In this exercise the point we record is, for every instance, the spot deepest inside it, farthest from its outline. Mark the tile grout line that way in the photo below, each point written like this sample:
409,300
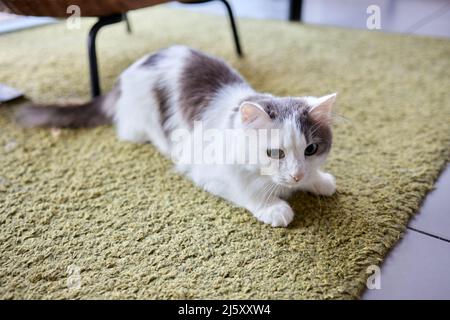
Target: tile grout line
428,19
428,234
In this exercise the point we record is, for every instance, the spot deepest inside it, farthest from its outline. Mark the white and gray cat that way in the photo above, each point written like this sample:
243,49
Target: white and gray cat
173,88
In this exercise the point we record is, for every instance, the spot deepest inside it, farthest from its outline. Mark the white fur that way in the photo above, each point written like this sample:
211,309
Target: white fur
138,120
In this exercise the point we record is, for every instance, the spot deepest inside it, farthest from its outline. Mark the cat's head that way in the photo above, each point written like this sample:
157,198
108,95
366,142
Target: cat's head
305,137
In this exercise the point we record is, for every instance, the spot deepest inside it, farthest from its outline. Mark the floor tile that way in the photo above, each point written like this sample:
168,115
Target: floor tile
258,9
434,215
439,26
11,25
395,16
417,268
424,17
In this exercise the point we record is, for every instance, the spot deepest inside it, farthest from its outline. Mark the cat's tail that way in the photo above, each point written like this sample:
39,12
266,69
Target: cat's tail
98,111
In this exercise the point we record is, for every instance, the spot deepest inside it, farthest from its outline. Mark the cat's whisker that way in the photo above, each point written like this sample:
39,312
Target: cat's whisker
336,117
274,191
268,192
272,188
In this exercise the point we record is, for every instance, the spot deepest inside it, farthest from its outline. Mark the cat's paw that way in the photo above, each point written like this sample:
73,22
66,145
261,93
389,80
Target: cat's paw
325,185
277,215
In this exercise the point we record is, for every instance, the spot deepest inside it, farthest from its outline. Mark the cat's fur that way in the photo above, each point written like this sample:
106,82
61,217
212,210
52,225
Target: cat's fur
174,87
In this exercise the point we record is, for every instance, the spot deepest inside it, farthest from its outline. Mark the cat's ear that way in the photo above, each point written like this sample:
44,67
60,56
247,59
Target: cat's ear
321,109
252,114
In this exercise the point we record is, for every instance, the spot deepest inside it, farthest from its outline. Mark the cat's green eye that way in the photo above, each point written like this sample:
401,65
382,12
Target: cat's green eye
275,153
311,149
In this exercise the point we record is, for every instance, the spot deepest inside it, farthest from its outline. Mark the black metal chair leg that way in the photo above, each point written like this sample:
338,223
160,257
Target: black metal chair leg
127,22
233,27
295,10
93,66
232,22
115,18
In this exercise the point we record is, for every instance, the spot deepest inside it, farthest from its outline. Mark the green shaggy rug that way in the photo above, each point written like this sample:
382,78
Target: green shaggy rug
85,216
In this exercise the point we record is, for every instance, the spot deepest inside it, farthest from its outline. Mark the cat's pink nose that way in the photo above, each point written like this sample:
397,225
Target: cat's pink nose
298,176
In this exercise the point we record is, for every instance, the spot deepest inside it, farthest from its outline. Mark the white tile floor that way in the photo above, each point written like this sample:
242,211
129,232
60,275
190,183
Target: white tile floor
11,22
434,217
417,268
422,17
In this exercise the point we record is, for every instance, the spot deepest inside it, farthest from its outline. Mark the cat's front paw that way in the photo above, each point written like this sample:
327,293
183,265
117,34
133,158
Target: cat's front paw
277,215
325,184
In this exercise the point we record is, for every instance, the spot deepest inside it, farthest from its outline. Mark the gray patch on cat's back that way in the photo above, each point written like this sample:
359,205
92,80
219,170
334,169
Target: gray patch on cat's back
203,76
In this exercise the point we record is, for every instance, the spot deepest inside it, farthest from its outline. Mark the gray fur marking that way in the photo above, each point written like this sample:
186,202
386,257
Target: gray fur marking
201,79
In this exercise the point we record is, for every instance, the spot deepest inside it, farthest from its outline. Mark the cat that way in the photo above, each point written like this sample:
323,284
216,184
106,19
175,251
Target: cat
177,87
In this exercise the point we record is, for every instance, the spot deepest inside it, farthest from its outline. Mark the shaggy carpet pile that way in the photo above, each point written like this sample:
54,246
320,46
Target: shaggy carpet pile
84,216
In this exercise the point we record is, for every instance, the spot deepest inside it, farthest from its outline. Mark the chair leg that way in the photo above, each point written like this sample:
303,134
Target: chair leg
92,54
127,22
233,28
295,10
232,22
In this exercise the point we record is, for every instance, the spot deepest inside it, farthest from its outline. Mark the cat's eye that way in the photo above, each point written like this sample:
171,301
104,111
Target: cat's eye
275,153
311,149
